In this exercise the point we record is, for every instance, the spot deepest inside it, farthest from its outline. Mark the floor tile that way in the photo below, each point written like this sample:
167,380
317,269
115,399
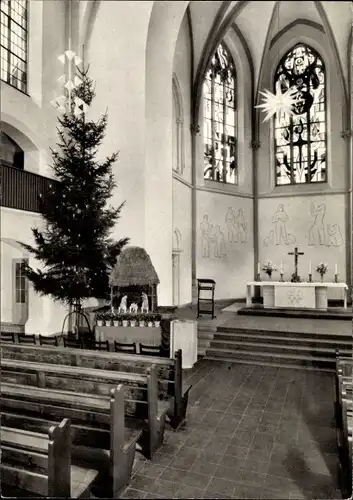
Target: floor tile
166,488
186,491
223,486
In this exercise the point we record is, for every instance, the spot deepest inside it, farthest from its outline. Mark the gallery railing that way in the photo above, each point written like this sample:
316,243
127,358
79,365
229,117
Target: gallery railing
20,189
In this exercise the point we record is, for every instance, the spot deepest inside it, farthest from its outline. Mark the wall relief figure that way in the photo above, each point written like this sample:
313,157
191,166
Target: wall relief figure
219,243
236,226
279,234
317,231
334,235
206,236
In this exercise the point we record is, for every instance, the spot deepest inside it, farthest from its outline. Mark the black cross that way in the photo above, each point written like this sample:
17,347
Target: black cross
296,254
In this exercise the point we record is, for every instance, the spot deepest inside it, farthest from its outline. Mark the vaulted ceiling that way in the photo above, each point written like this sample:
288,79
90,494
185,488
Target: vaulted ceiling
263,21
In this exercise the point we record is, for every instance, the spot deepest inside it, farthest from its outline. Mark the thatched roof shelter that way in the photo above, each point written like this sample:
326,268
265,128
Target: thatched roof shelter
133,268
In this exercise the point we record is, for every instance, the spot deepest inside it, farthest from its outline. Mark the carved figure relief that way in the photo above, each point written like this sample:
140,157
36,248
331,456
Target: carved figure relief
321,233
144,306
219,243
236,226
212,240
123,305
279,234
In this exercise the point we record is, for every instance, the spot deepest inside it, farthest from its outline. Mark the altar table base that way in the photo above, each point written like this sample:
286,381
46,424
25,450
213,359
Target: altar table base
283,294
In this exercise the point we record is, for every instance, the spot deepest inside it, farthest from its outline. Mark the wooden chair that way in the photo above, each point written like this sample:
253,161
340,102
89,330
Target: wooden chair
7,337
124,347
26,339
43,340
100,345
73,342
150,350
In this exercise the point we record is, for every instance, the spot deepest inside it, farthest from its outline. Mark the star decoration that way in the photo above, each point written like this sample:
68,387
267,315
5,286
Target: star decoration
278,103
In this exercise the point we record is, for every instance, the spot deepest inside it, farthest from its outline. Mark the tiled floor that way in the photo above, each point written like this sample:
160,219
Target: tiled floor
251,432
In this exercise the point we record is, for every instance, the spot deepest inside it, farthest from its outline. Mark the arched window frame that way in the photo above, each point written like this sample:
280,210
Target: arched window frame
179,122
210,141
14,43
291,124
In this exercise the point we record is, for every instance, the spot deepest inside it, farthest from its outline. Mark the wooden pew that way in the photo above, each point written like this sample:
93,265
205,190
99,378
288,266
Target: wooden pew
39,462
142,409
98,433
169,371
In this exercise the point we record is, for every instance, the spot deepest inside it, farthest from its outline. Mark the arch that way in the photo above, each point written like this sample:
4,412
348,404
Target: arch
24,138
179,136
214,38
176,240
305,22
86,26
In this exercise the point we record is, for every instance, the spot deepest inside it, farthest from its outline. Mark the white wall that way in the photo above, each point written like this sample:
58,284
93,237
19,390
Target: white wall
227,258
45,316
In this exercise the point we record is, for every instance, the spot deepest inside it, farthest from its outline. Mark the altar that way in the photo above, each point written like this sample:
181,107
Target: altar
288,295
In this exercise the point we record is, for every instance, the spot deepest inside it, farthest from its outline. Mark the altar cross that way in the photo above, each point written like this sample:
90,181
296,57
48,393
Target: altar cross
296,254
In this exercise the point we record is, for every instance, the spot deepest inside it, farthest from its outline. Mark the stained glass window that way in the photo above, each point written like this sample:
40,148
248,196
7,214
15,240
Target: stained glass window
14,43
300,141
220,161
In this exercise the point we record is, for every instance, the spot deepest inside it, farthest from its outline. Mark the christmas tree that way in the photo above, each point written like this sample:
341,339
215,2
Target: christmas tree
75,245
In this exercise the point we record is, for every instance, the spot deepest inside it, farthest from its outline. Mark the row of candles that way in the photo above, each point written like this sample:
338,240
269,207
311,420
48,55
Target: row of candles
281,268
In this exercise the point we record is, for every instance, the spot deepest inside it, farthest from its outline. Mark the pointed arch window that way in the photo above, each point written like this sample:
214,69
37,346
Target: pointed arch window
14,31
300,141
219,96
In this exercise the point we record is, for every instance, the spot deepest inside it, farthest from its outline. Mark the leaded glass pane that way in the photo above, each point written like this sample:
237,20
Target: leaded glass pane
219,119
14,43
300,141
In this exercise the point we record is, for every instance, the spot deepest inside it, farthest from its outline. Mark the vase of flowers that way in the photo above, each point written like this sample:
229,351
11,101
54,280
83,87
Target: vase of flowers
99,319
269,267
322,270
125,320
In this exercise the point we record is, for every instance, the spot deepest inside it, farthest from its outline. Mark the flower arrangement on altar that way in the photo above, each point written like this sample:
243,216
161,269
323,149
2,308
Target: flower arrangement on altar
322,268
268,267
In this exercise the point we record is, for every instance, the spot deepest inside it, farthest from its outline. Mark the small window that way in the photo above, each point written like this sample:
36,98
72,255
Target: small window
20,282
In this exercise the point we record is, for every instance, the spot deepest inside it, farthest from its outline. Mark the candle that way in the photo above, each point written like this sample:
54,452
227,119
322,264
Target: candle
281,269
309,266
336,269
258,268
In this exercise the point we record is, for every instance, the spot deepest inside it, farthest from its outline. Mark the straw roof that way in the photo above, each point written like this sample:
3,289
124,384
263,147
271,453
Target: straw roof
133,268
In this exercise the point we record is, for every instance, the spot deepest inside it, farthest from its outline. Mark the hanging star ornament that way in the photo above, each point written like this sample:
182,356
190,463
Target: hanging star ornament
279,104
63,103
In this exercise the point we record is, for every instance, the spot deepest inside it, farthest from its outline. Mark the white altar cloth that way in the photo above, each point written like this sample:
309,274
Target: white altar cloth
285,294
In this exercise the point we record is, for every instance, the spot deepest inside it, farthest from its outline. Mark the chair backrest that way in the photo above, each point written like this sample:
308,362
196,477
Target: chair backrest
7,336
150,350
124,347
26,339
101,345
52,340
70,342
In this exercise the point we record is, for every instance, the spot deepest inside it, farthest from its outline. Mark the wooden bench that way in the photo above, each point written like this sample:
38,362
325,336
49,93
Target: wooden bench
169,371
98,433
39,462
344,424
142,409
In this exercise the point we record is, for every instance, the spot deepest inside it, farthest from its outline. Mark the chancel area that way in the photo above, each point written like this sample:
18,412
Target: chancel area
176,249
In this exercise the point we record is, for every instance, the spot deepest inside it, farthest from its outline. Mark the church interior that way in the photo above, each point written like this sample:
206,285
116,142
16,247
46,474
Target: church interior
233,123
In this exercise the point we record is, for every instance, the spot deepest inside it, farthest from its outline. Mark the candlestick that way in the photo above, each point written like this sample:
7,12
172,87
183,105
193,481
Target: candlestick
310,277
336,278
281,275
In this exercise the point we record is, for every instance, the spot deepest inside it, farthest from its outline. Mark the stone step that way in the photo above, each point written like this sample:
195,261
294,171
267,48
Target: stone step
267,355
274,362
278,348
278,339
333,335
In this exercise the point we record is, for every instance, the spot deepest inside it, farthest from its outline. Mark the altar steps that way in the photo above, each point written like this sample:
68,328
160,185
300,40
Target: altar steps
270,343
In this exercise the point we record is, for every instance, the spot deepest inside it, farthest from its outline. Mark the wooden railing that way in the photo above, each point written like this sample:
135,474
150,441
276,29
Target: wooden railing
20,189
